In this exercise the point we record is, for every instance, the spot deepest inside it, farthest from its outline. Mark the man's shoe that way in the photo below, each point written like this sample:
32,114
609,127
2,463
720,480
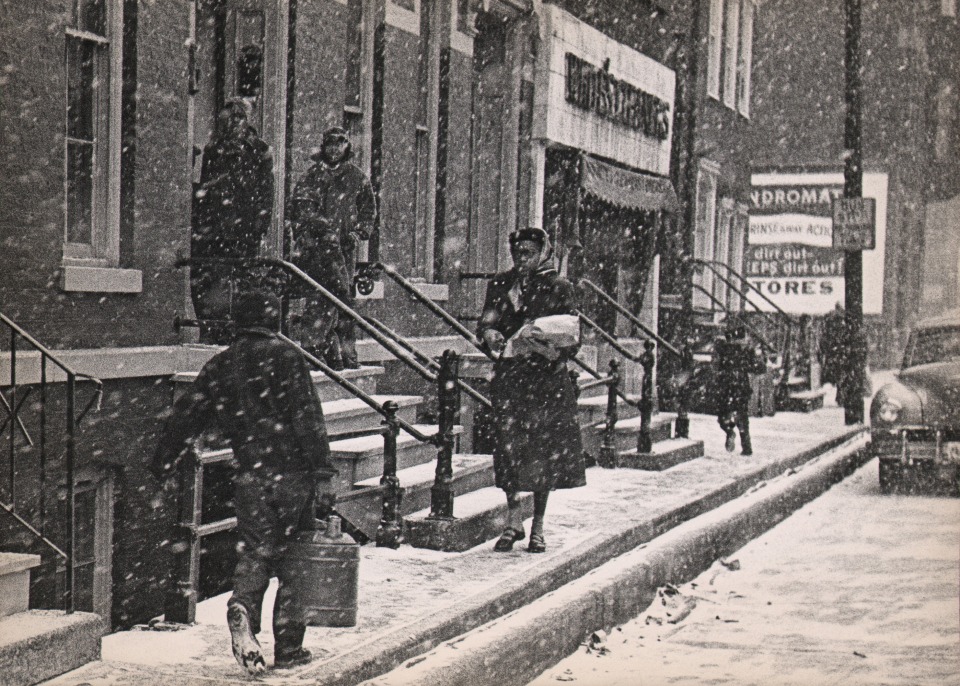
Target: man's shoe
300,656
537,544
731,443
509,536
747,452
246,648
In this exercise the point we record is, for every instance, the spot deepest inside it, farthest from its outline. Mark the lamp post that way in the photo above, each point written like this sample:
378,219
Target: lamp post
853,188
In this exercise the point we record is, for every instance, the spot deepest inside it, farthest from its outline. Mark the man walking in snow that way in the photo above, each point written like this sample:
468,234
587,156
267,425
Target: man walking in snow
260,394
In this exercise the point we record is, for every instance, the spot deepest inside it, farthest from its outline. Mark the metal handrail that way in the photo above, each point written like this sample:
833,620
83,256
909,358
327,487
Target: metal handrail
73,420
763,341
435,309
609,338
713,264
650,333
431,364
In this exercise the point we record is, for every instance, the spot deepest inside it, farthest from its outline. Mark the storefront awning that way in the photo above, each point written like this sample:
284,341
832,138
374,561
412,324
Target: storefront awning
626,188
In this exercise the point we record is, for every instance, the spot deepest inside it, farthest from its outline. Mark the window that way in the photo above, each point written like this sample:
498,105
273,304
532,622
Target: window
714,48
745,59
92,145
704,232
730,53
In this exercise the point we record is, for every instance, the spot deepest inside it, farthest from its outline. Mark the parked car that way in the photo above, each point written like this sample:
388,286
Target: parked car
915,421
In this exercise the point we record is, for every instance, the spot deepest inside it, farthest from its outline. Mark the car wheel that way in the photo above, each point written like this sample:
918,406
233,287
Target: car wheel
891,476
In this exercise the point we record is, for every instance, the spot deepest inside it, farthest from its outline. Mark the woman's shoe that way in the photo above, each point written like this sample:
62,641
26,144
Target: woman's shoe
537,544
509,536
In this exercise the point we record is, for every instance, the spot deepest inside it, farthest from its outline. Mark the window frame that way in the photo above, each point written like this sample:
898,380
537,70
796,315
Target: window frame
731,51
715,48
704,234
745,57
103,248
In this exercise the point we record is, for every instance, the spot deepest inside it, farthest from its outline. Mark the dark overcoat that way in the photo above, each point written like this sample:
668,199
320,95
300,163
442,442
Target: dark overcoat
332,210
260,395
537,436
233,202
736,361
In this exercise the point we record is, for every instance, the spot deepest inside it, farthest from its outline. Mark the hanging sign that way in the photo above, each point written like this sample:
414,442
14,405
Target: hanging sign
854,223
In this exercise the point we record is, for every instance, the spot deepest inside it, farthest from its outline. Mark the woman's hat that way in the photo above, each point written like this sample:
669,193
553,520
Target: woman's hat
532,233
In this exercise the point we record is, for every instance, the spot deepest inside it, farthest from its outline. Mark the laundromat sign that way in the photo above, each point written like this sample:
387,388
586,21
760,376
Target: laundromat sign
790,254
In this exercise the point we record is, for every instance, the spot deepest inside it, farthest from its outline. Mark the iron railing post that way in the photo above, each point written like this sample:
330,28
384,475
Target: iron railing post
608,447
448,396
648,360
682,425
13,417
71,585
391,524
183,592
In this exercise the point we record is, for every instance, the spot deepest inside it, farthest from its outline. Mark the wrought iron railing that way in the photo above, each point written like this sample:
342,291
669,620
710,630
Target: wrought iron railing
13,405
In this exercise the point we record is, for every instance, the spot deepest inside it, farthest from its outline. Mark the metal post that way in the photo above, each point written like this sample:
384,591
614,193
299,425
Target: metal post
648,360
181,601
608,447
13,418
448,397
681,427
853,188
391,524
71,586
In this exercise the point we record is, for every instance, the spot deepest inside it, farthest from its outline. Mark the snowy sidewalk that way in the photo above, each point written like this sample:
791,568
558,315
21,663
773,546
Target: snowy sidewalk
413,599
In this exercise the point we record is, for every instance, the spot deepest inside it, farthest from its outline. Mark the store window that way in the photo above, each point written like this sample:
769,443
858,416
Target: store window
730,53
92,140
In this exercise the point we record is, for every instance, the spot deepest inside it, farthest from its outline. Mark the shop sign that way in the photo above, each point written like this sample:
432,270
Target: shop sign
790,255
854,223
597,90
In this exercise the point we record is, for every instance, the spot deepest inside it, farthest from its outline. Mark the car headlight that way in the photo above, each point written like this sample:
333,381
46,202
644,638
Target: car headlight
889,411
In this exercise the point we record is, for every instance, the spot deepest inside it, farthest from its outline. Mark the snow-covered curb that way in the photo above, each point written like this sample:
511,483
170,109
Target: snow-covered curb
518,646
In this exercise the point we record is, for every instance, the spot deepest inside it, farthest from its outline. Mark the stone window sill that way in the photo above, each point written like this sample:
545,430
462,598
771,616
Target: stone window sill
100,279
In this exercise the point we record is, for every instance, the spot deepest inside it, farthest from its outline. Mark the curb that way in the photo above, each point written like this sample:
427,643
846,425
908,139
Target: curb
516,648
373,658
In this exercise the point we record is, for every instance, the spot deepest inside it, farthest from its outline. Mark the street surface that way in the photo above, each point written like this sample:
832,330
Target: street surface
854,588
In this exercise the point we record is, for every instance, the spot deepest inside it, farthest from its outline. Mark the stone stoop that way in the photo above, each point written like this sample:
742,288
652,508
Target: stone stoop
327,389
627,432
342,416
37,645
362,507
665,454
357,459
803,401
479,517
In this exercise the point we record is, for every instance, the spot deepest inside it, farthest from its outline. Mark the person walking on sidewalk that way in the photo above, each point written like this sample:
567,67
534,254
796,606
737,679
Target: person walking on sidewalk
260,394
332,212
232,206
537,444
736,360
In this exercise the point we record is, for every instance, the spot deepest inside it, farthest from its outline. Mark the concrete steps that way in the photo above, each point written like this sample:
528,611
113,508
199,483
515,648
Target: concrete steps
362,506
357,459
36,645
478,517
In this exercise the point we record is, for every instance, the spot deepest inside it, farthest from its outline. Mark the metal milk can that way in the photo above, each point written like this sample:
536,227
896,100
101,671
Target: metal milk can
323,567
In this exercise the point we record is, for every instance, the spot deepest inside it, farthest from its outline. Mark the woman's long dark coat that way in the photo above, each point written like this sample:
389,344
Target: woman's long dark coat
538,445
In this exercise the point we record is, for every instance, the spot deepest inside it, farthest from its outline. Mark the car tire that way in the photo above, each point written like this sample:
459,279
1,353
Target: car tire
891,476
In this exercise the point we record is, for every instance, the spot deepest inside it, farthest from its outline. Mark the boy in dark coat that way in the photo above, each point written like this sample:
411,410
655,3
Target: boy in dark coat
332,212
231,212
736,360
260,394
538,446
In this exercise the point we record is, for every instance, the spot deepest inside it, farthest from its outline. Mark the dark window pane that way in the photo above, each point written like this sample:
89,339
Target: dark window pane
80,88
91,15
83,575
83,541
79,192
